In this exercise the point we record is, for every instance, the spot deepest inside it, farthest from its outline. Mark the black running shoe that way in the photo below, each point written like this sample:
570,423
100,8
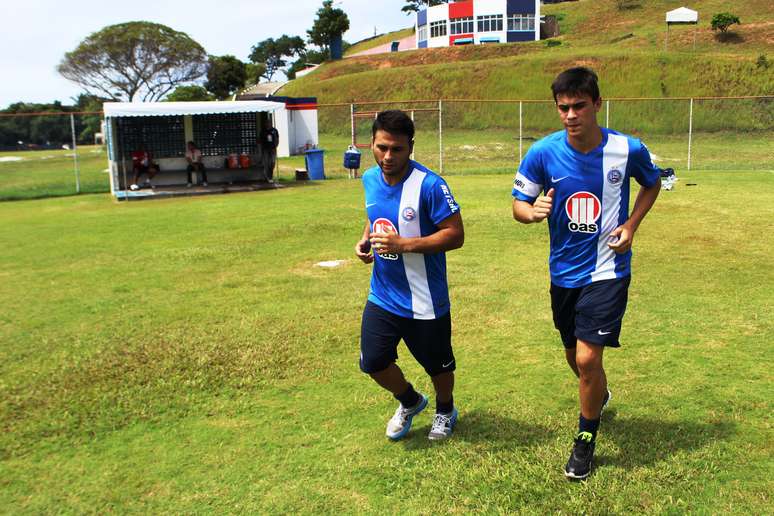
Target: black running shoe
579,465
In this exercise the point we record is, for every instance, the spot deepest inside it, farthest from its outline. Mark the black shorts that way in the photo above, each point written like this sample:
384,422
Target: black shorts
592,313
428,340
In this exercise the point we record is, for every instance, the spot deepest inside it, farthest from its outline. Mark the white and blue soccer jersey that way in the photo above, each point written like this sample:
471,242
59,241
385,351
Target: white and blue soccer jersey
591,199
411,285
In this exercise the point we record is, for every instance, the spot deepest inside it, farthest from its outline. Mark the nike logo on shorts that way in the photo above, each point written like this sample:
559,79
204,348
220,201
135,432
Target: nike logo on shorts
447,365
600,332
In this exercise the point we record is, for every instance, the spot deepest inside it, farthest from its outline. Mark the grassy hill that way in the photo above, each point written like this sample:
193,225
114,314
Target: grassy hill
382,39
625,46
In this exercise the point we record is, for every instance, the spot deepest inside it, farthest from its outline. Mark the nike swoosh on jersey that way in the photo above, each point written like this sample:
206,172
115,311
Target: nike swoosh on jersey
372,204
556,180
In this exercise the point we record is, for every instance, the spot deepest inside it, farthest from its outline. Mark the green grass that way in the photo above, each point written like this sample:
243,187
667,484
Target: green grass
186,356
51,173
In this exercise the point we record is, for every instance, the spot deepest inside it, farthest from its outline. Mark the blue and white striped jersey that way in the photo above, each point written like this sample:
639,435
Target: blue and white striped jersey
591,199
410,285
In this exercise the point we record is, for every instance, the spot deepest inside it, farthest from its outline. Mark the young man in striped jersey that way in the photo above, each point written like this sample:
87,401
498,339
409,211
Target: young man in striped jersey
578,179
412,220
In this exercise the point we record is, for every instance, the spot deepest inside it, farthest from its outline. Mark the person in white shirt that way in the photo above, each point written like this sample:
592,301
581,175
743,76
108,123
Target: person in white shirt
194,157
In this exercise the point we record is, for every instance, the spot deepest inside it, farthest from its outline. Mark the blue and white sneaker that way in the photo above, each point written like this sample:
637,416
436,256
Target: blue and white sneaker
443,425
400,423
608,397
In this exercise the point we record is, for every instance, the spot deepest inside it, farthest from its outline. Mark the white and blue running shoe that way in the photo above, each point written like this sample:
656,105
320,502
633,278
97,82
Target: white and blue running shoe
400,423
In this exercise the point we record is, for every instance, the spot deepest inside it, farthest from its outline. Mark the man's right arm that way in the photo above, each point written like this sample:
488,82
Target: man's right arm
527,213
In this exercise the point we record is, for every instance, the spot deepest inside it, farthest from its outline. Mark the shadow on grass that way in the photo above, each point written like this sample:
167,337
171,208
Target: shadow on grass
644,441
488,428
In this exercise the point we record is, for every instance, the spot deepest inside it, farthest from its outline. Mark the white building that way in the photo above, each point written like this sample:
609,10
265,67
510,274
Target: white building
478,21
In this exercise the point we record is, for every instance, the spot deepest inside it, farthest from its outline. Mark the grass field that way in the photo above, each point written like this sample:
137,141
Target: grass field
187,356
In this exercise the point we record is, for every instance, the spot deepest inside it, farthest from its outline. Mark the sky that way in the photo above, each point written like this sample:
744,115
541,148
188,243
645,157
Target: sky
37,33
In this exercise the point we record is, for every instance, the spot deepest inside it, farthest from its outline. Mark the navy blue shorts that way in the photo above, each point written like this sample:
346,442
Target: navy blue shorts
592,313
428,340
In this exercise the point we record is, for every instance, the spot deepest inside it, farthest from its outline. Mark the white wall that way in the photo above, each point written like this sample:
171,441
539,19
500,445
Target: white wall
438,13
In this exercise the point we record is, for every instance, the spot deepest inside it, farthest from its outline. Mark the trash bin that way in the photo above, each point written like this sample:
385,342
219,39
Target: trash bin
314,163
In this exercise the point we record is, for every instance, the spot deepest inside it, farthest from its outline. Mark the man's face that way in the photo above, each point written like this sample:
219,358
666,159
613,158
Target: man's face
391,152
578,113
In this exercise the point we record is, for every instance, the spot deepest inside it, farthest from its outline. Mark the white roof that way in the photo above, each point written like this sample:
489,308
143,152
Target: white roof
682,15
117,109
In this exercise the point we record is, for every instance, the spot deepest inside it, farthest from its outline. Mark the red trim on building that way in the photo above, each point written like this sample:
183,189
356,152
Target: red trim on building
300,107
454,38
461,10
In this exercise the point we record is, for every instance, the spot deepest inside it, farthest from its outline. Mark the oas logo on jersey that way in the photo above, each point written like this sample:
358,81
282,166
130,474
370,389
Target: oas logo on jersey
382,225
614,176
583,209
408,214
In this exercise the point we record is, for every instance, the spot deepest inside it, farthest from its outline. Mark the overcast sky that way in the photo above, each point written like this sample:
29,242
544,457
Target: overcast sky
36,33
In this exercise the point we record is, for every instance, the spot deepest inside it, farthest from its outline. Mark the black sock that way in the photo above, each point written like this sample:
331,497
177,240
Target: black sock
588,425
409,398
444,407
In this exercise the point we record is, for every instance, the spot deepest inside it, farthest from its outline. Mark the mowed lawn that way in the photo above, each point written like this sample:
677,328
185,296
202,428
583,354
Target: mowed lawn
187,356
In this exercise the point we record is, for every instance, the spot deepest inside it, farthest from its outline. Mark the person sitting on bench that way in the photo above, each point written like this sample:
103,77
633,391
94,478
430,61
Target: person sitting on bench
194,157
142,163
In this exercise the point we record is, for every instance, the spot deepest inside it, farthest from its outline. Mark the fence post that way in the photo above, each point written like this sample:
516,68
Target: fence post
690,133
75,156
607,114
440,136
352,122
520,131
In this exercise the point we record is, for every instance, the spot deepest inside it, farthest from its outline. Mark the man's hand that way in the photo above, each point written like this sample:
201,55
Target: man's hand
363,251
387,243
621,239
541,208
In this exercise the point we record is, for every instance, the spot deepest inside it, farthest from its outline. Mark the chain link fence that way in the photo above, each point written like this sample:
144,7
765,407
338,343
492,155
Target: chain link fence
453,137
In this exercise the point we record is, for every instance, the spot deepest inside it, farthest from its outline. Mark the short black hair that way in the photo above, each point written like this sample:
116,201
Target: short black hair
394,121
574,81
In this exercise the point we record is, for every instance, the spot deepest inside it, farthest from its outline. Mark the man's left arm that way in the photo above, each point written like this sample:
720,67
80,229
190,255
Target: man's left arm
450,235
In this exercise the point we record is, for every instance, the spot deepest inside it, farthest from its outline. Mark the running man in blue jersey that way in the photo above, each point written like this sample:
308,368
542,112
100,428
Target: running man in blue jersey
412,220
578,179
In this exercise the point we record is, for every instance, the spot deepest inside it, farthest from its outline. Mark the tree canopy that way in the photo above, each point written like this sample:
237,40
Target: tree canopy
330,24
189,93
413,6
134,61
275,53
722,21
225,76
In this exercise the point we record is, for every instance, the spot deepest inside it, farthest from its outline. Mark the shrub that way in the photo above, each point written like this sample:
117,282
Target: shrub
722,21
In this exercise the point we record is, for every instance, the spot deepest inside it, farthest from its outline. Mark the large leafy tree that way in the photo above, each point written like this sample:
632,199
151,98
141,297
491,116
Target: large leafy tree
274,54
189,93
330,24
722,21
225,76
134,61
413,6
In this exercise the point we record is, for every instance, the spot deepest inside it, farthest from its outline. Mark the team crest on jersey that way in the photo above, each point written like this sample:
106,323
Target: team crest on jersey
614,176
382,225
583,209
408,214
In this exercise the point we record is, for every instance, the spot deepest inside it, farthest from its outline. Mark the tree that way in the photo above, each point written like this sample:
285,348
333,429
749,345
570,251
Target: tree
330,24
189,93
254,72
225,76
413,6
274,54
134,60
722,21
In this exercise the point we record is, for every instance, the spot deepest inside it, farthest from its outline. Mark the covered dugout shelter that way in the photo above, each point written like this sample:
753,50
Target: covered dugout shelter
219,129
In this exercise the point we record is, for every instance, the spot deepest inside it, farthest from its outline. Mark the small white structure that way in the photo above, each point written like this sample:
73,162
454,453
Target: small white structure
219,129
681,16
296,124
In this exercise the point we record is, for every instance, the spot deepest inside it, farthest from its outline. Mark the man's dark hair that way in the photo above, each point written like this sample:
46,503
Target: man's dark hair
576,81
394,121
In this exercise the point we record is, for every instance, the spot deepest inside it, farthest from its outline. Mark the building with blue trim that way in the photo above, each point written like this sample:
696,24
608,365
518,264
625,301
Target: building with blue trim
478,21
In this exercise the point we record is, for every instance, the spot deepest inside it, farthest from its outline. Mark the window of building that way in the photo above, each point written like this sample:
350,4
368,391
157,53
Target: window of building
437,28
517,22
219,135
422,33
490,23
461,25
162,136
